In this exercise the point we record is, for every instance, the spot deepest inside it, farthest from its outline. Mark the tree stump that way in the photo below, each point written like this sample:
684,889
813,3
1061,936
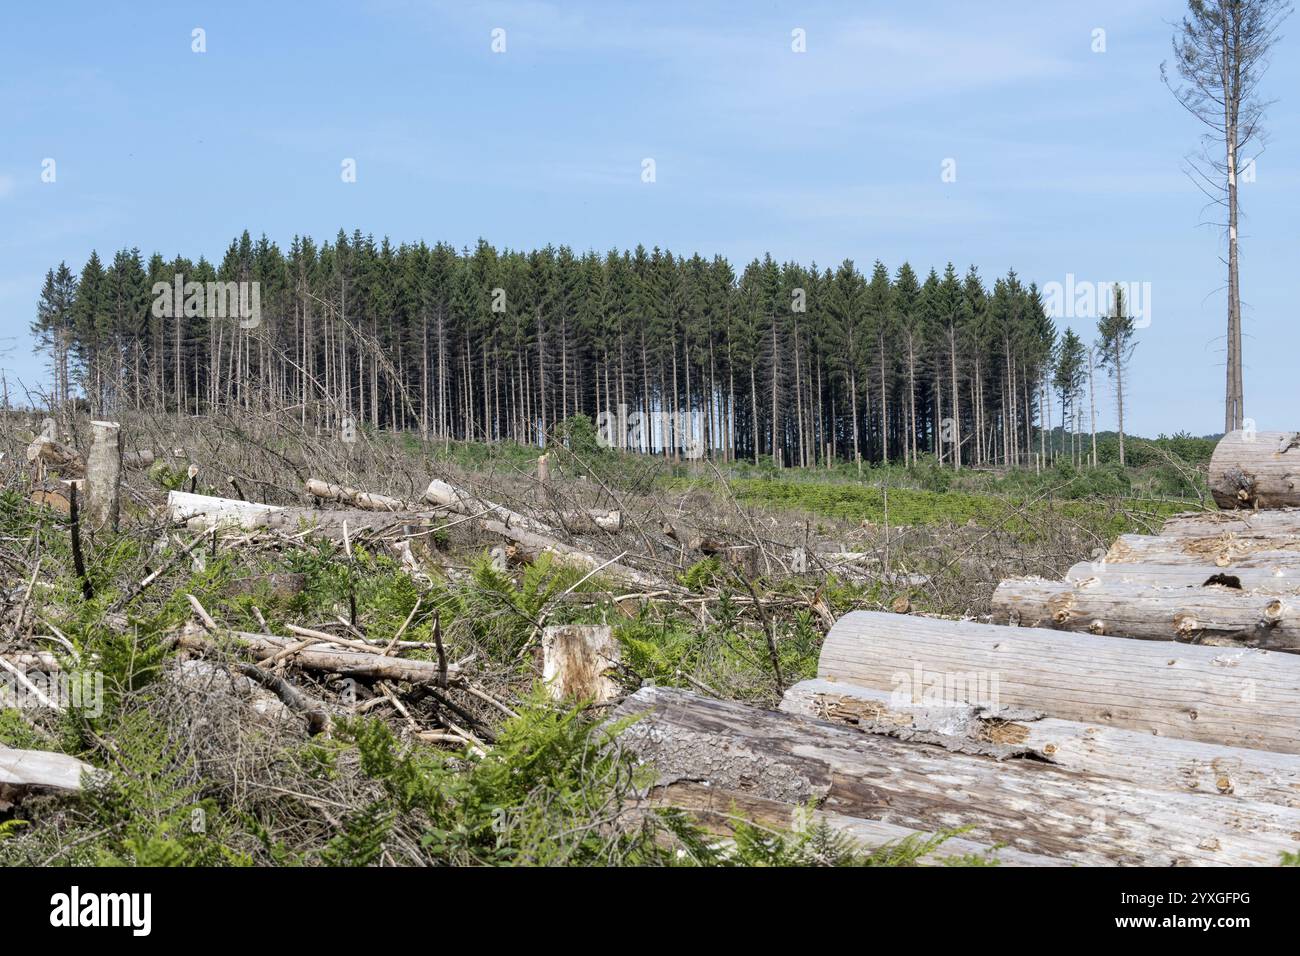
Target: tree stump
104,475
578,660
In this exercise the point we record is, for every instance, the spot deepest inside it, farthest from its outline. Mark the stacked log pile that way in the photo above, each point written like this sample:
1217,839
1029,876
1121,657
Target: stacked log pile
1048,733
1226,578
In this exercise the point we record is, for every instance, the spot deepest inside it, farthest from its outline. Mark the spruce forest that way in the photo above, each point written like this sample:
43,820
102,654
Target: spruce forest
779,361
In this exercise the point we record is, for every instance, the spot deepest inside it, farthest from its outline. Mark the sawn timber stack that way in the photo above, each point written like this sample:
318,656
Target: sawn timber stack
1083,747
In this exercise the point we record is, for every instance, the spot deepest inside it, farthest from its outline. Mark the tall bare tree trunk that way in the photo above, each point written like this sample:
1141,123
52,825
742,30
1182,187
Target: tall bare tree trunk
1092,404
1233,411
956,401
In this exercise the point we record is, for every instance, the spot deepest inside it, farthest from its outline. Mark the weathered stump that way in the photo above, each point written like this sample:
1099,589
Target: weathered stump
104,475
579,661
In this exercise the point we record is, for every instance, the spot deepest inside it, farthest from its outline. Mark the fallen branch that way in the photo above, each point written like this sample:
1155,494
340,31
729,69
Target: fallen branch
367,501
314,711
463,502
371,666
533,546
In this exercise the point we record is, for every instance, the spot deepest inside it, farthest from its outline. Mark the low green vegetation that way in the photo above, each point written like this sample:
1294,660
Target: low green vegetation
205,781
213,786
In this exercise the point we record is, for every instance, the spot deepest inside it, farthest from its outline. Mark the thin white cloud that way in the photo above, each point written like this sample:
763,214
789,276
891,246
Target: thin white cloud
873,205
848,61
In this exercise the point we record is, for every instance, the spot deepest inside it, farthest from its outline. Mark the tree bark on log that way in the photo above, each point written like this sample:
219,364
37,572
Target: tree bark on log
1156,763
1270,580
532,546
203,512
1212,614
1239,697
464,502
1201,524
104,475
720,810
322,657
1256,470
365,500
50,454
1226,551
1029,805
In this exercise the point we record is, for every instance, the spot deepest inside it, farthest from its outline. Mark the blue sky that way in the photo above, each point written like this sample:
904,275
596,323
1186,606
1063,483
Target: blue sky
1067,160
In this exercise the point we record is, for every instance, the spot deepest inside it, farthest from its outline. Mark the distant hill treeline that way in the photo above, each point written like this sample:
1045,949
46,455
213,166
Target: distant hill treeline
783,362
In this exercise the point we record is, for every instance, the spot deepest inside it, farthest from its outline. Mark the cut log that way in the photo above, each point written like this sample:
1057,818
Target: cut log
1256,470
531,546
206,512
578,662
592,520
51,454
463,502
57,494
365,500
104,475
1202,524
1029,805
321,657
203,512
1156,763
1213,614
720,810
1271,580
141,458
1238,697
1225,551
26,770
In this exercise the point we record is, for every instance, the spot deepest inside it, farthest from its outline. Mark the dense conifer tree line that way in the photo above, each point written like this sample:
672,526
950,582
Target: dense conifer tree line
781,362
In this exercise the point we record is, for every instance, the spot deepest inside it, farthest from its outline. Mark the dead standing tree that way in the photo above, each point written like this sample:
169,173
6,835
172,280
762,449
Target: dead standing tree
1221,54
1115,346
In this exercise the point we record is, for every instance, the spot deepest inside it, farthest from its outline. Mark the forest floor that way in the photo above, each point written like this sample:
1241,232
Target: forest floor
197,762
